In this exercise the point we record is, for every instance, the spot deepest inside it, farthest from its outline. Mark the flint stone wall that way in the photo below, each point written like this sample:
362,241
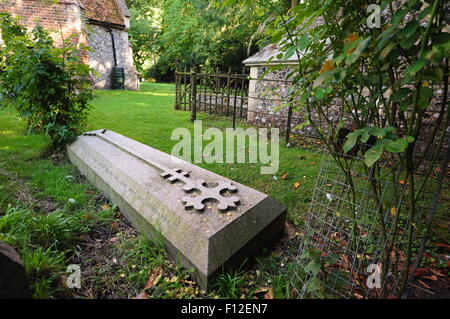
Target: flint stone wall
270,108
102,57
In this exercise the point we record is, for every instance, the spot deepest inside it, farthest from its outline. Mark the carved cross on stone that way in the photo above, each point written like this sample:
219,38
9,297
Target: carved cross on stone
214,193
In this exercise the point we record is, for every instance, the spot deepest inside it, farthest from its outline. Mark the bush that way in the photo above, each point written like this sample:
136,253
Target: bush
163,71
50,87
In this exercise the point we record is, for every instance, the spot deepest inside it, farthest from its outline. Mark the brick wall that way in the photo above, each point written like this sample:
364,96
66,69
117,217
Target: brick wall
62,19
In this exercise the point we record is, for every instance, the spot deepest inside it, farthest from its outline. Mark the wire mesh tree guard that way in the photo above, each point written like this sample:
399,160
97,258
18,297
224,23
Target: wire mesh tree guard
345,247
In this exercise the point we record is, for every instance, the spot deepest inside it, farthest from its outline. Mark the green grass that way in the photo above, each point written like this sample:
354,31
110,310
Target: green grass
45,228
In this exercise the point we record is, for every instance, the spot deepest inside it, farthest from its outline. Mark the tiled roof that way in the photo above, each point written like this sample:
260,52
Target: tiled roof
103,11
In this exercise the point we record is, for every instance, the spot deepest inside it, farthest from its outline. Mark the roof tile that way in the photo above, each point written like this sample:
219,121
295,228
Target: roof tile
103,10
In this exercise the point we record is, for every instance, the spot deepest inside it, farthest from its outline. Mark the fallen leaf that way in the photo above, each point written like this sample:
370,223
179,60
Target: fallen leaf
421,271
154,278
346,261
142,295
438,273
358,296
284,176
269,294
297,185
393,211
105,207
173,279
115,225
261,290
432,277
187,282
424,284
402,182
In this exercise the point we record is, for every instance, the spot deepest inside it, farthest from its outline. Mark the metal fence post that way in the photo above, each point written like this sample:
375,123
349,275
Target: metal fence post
184,97
243,93
288,128
235,99
177,90
194,94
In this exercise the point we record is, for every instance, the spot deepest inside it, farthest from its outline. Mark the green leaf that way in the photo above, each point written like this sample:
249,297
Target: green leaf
441,38
352,58
433,74
409,29
352,138
386,37
290,52
425,12
376,131
385,52
340,58
303,43
397,146
398,16
313,268
409,42
400,94
414,68
373,155
365,135
322,78
425,94
313,285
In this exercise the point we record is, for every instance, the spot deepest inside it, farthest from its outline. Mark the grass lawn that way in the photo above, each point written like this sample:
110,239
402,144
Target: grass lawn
76,224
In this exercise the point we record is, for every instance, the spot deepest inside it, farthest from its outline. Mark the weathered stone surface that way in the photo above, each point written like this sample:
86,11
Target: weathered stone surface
153,202
13,279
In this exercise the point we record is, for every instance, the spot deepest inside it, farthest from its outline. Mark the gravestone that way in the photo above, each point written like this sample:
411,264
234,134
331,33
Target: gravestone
205,220
13,279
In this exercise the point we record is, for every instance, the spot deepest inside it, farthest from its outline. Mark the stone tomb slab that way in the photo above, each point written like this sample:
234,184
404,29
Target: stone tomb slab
205,220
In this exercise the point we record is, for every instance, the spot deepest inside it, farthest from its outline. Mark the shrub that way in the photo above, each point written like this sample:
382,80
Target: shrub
48,86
